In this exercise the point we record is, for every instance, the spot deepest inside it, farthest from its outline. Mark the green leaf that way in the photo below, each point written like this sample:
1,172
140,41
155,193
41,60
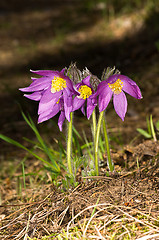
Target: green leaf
144,133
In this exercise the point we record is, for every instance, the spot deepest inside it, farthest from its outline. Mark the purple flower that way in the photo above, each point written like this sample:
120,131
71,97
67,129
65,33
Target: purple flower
48,89
84,93
114,86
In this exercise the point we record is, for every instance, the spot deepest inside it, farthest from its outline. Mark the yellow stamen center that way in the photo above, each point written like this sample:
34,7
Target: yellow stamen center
85,91
58,84
116,87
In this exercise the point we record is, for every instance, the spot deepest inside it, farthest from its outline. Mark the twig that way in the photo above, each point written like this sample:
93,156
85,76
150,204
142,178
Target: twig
137,220
98,177
100,235
27,227
148,237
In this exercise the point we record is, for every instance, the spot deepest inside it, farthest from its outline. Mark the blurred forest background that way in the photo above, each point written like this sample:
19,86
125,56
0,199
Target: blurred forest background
50,34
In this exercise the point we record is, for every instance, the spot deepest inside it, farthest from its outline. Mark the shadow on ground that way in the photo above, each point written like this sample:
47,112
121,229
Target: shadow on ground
26,25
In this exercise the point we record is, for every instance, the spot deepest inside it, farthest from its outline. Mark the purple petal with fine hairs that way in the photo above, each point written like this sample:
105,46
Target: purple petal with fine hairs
36,86
68,103
90,107
130,87
78,85
61,120
100,89
44,116
104,99
53,110
86,81
83,110
47,73
94,100
102,85
36,96
77,103
48,100
94,95
113,78
62,71
120,104
40,80
70,89
67,91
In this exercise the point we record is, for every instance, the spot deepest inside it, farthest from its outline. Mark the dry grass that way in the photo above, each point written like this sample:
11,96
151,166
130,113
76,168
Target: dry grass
124,206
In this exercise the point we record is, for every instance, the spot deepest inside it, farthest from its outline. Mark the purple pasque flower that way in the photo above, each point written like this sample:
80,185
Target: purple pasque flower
85,92
115,86
49,89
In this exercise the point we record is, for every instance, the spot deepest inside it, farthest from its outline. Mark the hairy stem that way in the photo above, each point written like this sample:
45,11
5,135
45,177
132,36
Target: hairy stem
97,142
109,160
94,124
69,144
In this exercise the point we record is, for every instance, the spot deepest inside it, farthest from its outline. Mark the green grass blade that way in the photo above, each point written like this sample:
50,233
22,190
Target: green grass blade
88,146
101,145
37,145
23,173
144,133
32,142
152,129
17,144
30,122
77,147
77,133
148,125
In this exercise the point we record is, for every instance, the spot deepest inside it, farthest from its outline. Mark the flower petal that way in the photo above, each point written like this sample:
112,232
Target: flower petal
61,120
62,71
90,107
36,96
113,78
130,87
120,104
47,73
104,98
77,103
100,89
86,81
69,89
45,116
68,104
83,109
36,86
48,100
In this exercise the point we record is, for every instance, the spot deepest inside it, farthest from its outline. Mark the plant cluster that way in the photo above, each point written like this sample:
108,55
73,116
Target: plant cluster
64,92
69,90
